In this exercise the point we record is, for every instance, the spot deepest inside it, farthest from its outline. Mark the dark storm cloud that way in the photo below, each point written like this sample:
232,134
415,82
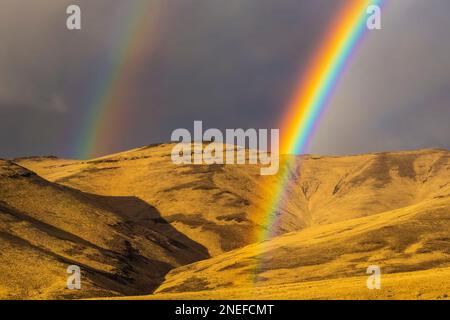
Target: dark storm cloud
38,56
396,94
229,63
43,72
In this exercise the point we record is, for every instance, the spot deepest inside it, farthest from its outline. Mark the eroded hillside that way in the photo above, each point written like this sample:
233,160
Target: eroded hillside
129,218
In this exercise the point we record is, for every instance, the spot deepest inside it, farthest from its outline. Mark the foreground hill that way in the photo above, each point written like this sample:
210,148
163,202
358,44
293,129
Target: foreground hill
122,244
403,240
430,284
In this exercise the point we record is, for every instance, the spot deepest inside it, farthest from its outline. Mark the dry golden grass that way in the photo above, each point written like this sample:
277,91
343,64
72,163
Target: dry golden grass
418,285
222,207
402,240
134,216
119,242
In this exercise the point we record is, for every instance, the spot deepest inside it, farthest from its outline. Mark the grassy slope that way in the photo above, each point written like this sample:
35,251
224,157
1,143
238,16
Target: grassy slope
402,240
45,227
212,204
223,207
426,285
340,214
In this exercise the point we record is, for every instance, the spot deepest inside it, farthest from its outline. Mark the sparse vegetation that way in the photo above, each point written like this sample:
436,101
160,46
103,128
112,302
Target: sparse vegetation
190,231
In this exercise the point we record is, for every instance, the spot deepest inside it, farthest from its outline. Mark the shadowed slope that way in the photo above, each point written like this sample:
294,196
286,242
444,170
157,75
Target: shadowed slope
122,244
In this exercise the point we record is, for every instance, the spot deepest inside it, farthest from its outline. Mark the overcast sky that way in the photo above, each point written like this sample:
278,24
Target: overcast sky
229,63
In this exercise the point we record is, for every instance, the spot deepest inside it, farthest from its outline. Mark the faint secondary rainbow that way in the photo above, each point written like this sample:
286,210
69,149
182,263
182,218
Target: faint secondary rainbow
312,95
111,96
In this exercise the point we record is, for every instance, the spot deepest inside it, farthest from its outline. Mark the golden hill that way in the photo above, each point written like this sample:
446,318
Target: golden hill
430,284
223,206
338,215
122,244
403,240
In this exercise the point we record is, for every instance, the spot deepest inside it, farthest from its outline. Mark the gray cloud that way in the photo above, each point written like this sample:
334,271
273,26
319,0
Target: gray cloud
229,63
396,93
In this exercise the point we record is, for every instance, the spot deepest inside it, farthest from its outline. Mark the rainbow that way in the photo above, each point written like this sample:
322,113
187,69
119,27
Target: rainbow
311,96
111,98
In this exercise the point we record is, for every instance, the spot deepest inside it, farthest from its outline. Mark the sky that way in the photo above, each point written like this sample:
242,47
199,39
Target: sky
231,64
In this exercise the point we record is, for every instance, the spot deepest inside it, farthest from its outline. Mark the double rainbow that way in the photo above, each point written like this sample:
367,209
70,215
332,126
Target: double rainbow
309,100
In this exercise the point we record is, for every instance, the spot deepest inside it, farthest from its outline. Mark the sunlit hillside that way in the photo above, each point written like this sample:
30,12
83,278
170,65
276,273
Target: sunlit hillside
130,218
403,240
223,206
